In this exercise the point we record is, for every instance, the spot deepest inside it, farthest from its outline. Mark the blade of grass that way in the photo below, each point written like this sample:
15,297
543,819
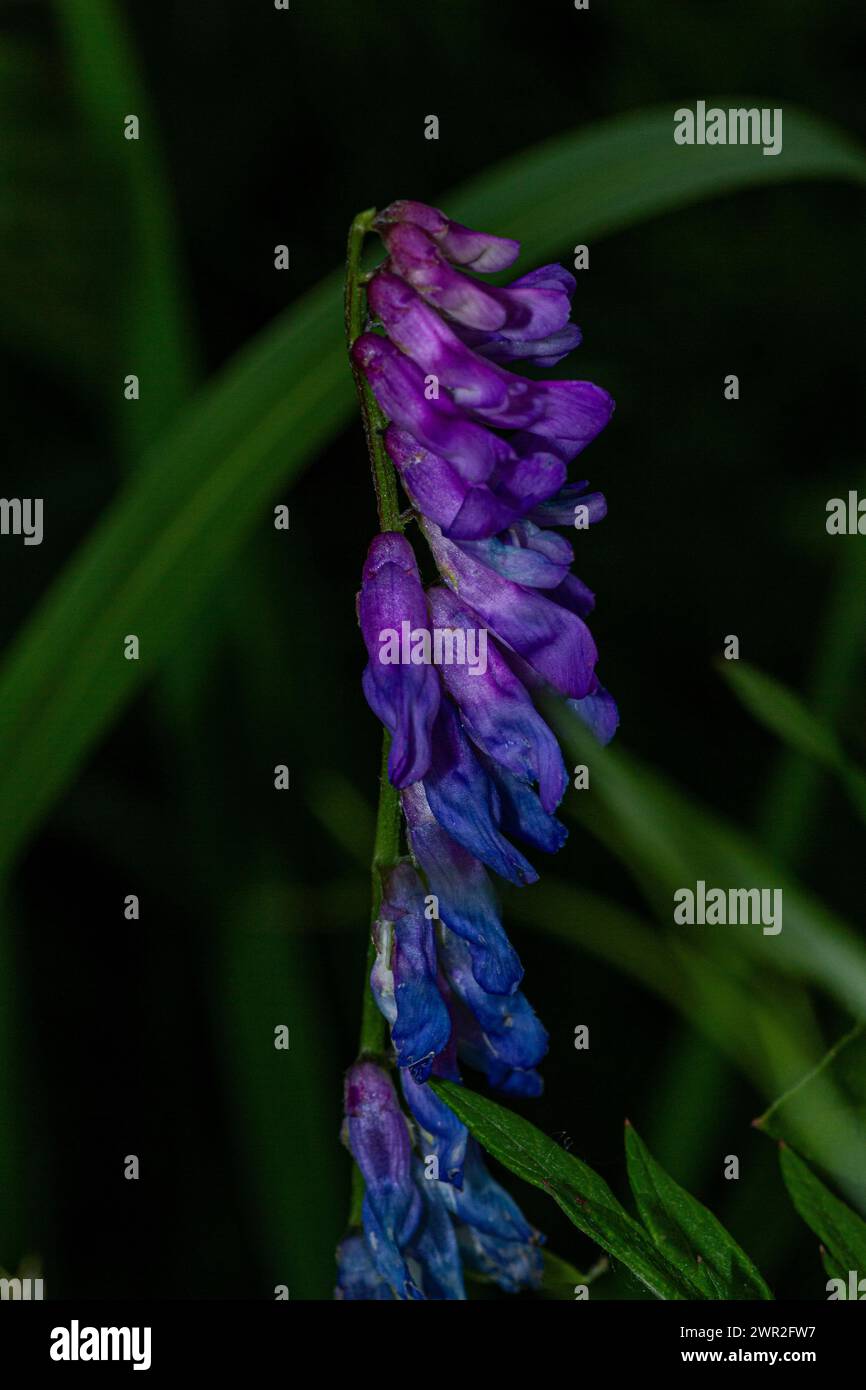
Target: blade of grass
157,339
671,841
787,716
583,1195
285,1120
793,794
824,1114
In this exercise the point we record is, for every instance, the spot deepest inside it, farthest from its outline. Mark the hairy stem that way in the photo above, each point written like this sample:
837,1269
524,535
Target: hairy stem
386,847
384,480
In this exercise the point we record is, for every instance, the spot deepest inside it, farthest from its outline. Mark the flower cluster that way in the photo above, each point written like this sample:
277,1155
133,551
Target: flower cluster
418,1232
482,455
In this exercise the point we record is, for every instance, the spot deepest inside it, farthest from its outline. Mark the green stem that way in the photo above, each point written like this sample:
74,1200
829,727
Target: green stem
384,480
386,852
386,847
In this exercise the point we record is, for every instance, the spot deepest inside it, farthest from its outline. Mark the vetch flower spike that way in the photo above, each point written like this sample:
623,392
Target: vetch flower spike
472,772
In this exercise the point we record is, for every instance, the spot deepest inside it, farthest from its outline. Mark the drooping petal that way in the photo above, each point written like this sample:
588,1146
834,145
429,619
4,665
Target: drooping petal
443,1137
574,595
525,554
438,489
435,1247
479,1052
484,1205
403,392
598,709
357,1275
513,1265
563,508
529,308
414,256
530,473
422,1025
539,303
472,510
497,712
555,642
386,1243
467,902
420,333
508,1022
463,799
570,414
521,812
599,712
404,696
480,251
378,1137
541,352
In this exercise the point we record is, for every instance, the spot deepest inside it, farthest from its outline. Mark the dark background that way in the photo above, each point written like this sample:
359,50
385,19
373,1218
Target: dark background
153,1037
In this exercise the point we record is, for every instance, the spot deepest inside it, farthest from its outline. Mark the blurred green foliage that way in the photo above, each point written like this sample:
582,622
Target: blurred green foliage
155,777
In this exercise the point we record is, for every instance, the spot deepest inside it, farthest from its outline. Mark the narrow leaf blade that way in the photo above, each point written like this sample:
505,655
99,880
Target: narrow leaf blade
686,1233
585,1197
841,1231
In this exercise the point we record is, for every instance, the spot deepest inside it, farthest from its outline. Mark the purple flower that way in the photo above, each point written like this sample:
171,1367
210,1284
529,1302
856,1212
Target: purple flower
402,392
510,1027
464,800
414,1224
570,413
441,1134
455,670
467,902
552,640
493,1234
562,510
598,712
497,711
526,309
420,1025
357,1275
405,697
473,510
479,250
378,1137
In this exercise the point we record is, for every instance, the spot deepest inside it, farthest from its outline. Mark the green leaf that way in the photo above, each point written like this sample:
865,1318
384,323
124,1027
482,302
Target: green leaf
625,169
201,489
668,840
841,1231
787,716
686,1233
792,794
168,538
585,1197
155,330
824,1115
